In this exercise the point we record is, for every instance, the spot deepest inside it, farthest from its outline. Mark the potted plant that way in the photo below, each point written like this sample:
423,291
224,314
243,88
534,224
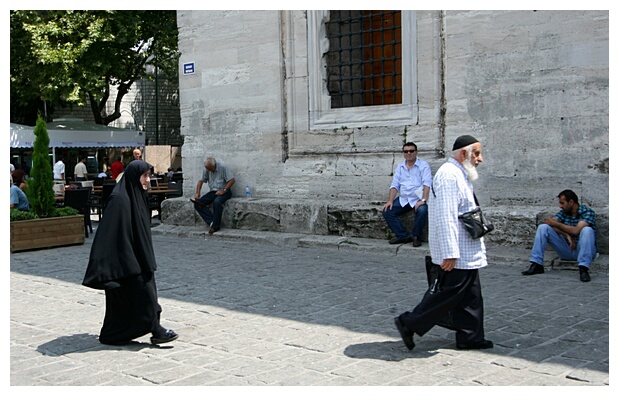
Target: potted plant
44,225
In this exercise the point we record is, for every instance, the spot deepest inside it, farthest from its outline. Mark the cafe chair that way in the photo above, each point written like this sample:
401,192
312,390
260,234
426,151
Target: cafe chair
79,199
178,190
99,201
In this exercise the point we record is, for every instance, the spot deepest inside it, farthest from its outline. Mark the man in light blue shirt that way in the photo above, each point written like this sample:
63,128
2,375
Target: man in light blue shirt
18,198
412,180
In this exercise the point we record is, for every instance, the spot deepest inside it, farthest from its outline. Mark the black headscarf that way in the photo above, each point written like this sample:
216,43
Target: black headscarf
123,245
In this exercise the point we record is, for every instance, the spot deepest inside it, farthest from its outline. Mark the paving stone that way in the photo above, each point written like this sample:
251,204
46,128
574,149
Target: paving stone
258,311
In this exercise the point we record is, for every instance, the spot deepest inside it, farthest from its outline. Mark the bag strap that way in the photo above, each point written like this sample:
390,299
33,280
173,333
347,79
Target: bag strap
474,196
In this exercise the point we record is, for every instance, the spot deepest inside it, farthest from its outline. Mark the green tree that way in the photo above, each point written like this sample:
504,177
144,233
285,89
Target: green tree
40,189
75,57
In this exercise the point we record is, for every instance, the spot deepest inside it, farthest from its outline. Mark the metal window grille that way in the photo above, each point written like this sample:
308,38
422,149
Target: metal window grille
364,61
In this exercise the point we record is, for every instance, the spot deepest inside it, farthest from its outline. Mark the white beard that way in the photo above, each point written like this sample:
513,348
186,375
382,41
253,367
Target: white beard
471,170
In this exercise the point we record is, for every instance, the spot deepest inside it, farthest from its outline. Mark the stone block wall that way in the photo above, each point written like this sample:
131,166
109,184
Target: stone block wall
514,226
532,86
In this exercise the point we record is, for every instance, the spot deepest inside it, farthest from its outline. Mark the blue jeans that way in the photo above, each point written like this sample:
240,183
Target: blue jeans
218,207
393,220
585,248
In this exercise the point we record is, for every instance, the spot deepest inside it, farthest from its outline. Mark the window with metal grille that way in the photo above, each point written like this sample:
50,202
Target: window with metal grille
364,61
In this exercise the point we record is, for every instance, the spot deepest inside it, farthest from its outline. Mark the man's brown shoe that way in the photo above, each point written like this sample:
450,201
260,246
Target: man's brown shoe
197,203
213,230
416,242
395,241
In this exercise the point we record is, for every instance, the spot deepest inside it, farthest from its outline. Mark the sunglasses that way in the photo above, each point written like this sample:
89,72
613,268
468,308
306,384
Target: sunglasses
408,151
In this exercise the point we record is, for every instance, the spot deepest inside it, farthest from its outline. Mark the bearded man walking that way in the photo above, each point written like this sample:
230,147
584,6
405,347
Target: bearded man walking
457,254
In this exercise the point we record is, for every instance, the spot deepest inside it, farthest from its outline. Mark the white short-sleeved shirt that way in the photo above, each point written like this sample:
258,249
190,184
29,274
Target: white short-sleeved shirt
80,170
58,170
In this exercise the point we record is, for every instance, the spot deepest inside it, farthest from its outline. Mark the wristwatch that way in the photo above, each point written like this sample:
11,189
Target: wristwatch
225,190
423,200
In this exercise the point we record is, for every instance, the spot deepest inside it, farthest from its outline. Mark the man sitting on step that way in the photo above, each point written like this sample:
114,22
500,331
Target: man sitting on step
571,233
412,180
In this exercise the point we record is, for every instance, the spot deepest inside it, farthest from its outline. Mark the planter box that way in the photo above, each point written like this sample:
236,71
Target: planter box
45,233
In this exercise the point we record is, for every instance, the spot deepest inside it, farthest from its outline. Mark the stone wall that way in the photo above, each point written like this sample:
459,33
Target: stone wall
532,86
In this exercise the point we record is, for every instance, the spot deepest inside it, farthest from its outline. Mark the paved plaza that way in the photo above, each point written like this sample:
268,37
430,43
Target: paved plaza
259,309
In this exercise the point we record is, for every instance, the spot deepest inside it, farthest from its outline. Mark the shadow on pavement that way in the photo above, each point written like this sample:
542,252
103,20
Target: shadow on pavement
391,351
84,342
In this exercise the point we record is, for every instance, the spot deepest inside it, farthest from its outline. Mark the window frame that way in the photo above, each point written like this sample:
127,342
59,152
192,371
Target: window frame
322,116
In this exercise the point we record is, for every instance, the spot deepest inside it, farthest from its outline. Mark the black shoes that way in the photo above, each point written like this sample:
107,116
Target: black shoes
416,242
168,336
406,335
534,269
396,241
197,203
485,344
584,273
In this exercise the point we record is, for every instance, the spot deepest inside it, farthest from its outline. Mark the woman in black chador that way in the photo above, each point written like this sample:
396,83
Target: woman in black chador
122,263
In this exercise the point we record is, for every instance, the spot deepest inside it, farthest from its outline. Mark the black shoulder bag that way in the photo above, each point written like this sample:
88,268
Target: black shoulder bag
474,221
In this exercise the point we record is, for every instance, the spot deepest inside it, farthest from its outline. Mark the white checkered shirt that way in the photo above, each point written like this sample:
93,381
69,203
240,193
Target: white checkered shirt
447,236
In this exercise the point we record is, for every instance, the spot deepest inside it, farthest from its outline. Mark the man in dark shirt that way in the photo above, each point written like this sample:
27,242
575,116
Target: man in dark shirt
571,233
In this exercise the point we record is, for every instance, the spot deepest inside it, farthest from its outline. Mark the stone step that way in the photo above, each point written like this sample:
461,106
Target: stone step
514,226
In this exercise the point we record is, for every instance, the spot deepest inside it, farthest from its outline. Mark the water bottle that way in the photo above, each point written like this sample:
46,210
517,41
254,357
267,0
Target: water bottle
247,192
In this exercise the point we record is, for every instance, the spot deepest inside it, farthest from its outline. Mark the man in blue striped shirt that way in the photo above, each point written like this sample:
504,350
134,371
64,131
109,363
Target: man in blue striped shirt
571,233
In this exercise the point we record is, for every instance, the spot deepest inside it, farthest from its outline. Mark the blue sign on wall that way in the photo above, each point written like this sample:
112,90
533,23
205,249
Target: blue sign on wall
189,68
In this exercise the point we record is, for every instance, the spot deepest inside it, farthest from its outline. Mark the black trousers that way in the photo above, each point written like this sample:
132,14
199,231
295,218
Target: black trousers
460,296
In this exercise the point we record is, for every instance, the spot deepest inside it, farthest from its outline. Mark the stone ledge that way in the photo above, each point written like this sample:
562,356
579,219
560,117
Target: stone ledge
514,226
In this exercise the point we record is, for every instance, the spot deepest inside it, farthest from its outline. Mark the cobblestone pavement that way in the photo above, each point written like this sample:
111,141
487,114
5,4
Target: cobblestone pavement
255,312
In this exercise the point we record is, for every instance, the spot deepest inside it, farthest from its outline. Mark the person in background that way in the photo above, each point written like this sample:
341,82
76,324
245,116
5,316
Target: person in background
122,262
18,199
117,167
137,154
59,169
571,233
80,171
19,179
457,255
106,167
412,180
219,179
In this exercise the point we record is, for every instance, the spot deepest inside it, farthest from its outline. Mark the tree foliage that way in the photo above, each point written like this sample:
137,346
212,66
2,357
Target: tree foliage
75,57
40,189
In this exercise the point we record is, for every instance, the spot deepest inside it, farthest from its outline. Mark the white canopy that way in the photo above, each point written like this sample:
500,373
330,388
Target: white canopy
77,133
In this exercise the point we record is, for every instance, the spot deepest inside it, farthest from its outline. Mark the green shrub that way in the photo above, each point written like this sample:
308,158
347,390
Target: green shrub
17,215
40,190
66,211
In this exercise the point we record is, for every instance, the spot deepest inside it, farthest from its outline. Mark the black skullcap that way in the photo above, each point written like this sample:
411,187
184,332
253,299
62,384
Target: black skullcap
464,141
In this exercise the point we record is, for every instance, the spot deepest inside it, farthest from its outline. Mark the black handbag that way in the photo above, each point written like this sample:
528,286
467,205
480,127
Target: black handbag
475,222
434,286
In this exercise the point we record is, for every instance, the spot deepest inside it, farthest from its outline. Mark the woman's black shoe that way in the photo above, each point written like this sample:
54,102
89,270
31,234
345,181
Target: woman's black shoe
168,336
